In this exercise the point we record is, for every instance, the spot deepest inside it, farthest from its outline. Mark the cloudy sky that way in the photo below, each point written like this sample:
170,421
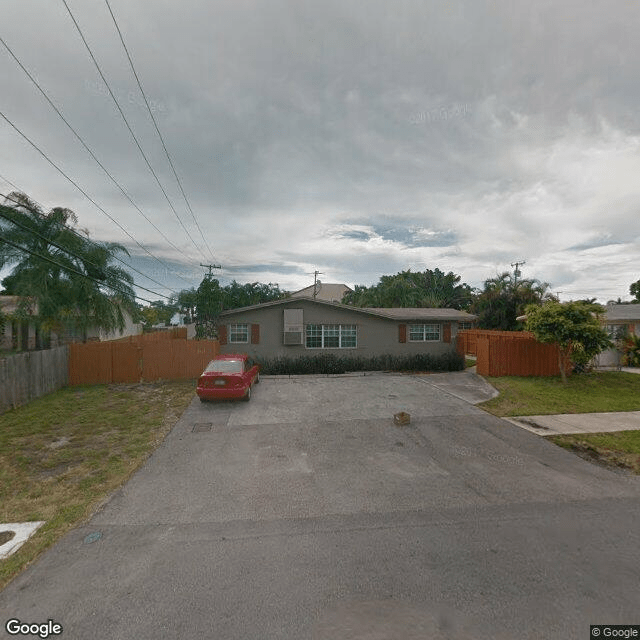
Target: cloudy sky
355,137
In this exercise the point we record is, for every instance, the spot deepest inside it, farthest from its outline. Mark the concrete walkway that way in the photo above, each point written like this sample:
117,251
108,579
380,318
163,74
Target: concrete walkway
579,422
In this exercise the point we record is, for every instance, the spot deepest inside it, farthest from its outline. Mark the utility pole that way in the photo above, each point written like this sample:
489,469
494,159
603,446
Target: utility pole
210,267
316,273
516,271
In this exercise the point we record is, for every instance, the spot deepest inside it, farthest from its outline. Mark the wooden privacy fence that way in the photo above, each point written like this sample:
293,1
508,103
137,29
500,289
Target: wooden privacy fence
177,333
26,376
509,353
139,360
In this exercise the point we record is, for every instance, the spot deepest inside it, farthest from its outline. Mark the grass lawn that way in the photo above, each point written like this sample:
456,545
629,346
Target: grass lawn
585,393
63,454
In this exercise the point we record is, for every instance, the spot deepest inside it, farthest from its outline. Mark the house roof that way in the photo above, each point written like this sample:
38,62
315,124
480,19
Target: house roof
329,292
9,305
398,313
418,313
623,312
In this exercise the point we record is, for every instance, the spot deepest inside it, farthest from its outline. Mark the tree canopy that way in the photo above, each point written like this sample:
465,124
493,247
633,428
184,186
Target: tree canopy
634,290
427,289
203,304
504,298
574,326
68,276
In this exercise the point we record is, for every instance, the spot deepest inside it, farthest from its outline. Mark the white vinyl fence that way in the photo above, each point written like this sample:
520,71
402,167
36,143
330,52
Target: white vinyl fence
29,375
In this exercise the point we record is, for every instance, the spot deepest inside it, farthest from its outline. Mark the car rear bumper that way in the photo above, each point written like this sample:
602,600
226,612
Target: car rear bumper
211,393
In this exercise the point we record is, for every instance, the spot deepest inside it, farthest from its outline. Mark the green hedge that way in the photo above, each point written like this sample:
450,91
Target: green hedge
326,363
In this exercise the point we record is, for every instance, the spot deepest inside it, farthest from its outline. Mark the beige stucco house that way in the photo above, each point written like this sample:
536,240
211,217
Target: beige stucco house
303,326
328,292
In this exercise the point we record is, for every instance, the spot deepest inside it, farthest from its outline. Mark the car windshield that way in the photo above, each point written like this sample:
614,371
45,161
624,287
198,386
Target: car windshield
225,366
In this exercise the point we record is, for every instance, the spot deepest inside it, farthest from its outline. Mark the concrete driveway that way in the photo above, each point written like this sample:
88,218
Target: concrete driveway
307,514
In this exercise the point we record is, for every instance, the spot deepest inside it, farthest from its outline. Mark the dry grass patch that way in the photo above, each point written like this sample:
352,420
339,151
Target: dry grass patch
62,455
619,450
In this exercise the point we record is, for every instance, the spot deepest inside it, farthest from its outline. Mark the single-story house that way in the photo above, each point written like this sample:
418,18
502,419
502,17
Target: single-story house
23,332
617,319
328,292
18,333
304,326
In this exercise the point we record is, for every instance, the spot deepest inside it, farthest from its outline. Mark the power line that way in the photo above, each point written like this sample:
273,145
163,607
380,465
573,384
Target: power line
84,275
66,250
77,186
144,275
95,62
155,124
82,142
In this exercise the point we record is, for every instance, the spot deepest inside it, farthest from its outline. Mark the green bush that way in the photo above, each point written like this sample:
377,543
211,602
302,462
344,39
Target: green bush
329,363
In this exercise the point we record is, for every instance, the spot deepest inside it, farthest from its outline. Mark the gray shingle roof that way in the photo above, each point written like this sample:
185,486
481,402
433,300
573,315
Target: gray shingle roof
415,313
623,312
407,313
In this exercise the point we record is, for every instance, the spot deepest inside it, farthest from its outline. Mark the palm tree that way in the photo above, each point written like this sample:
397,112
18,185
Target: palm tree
433,289
70,277
504,298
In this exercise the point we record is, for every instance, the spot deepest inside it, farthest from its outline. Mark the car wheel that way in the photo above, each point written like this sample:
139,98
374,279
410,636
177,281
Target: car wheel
203,399
247,396
257,378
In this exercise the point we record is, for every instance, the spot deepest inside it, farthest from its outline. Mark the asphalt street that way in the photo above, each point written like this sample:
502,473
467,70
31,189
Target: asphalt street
306,513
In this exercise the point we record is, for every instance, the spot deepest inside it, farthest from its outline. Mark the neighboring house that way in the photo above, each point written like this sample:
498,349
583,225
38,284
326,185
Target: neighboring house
618,318
131,328
24,333
18,333
323,291
178,319
304,326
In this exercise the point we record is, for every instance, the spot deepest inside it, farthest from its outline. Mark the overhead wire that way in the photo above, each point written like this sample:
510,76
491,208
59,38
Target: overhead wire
133,135
91,153
66,268
67,250
155,124
77,186
164,286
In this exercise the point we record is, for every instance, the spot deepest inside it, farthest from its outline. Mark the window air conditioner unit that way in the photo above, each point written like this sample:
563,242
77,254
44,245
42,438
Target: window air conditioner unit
293,327
292,337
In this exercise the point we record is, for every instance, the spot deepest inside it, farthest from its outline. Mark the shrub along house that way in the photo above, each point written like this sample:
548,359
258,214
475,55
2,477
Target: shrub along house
297,327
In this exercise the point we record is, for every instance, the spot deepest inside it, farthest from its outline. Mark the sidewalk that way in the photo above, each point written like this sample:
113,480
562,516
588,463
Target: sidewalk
578,422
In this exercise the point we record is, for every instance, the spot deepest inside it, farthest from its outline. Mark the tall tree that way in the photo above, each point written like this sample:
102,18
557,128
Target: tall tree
70,278
427,289
634,290
504,298
210,299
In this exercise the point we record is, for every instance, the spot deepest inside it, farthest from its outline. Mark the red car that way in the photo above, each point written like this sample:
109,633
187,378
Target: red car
228,376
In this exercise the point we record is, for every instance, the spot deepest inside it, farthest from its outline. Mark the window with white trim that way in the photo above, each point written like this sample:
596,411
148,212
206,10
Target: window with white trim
239,333
463,325
424,332
331,336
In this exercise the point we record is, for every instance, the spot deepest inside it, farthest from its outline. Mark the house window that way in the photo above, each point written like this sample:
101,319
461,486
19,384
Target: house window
464,326
331,336
424,332
239,333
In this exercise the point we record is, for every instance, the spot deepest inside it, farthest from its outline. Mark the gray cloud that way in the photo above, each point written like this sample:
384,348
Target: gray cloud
360,138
